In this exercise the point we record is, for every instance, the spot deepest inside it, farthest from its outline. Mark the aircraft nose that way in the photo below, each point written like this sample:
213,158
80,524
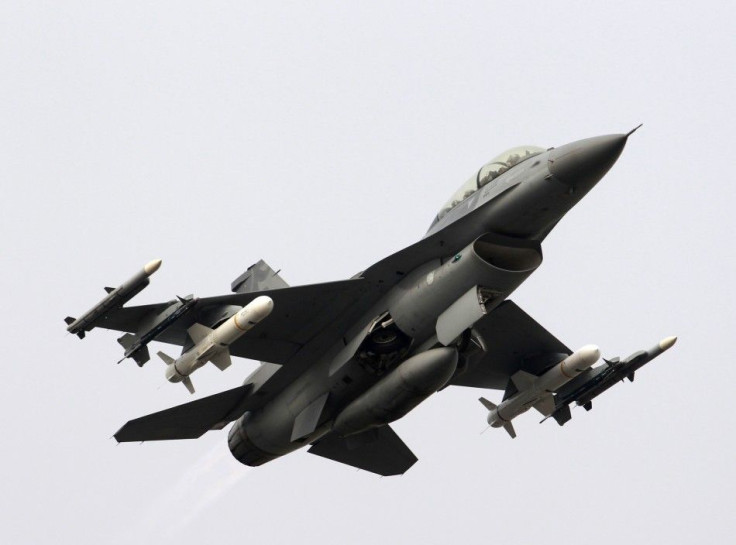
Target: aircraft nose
585,162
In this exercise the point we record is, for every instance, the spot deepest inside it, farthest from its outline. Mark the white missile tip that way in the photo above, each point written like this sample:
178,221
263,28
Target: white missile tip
152,266
590,354
261,307
667,343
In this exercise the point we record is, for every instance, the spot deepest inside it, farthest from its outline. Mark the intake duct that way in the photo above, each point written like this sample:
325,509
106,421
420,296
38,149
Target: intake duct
473,281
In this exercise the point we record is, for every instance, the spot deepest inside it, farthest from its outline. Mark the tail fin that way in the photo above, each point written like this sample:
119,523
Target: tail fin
487,404
69,321
141,356
222,360
186,381
127,340
509,427
168,360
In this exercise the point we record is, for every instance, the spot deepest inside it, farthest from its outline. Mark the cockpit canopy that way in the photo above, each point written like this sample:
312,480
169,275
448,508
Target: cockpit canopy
493,169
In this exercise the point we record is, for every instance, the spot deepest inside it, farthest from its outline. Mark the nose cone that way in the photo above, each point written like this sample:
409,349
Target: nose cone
258,308
585,162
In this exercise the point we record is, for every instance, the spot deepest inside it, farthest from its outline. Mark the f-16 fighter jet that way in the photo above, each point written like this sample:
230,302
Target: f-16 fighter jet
342,360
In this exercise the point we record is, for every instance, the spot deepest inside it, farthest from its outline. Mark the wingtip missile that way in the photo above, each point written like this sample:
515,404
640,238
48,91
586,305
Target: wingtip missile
114,299
667,343
152,266
588,387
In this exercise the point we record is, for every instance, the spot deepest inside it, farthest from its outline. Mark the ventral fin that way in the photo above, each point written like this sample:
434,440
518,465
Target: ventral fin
222,360
523,380
198,332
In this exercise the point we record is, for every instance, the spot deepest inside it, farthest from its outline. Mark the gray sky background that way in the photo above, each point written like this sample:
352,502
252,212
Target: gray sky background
322,136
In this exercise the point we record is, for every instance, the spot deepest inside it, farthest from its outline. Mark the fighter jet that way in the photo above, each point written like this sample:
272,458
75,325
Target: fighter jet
342,360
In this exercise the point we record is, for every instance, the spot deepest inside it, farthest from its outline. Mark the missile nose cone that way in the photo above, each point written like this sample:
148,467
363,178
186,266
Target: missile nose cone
261,307
585,162
666,344
589,354
152,266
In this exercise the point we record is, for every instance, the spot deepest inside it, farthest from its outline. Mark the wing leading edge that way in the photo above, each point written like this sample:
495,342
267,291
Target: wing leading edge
300,313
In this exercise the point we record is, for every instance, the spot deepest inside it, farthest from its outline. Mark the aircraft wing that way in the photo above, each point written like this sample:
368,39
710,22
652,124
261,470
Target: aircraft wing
513,342
378,450
300,313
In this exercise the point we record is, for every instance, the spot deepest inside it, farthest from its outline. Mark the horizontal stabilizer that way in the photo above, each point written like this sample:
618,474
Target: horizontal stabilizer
188,421
198,332
222,360
378,450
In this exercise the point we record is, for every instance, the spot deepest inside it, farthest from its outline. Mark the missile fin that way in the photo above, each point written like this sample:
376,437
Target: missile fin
108,289
509,427
562,415
546,405
523,380
69,320
222,360
141,356
630,376
487,404
168,360
198,332
127,340
188,383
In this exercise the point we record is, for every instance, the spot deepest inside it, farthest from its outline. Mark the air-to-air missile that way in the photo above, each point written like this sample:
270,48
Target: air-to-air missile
537,391
116,298
212,344
135,345
585,388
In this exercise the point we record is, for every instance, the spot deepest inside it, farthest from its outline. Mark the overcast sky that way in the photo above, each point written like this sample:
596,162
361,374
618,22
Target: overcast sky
322,136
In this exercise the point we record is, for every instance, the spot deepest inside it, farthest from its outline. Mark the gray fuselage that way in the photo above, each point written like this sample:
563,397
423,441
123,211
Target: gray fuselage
525,203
